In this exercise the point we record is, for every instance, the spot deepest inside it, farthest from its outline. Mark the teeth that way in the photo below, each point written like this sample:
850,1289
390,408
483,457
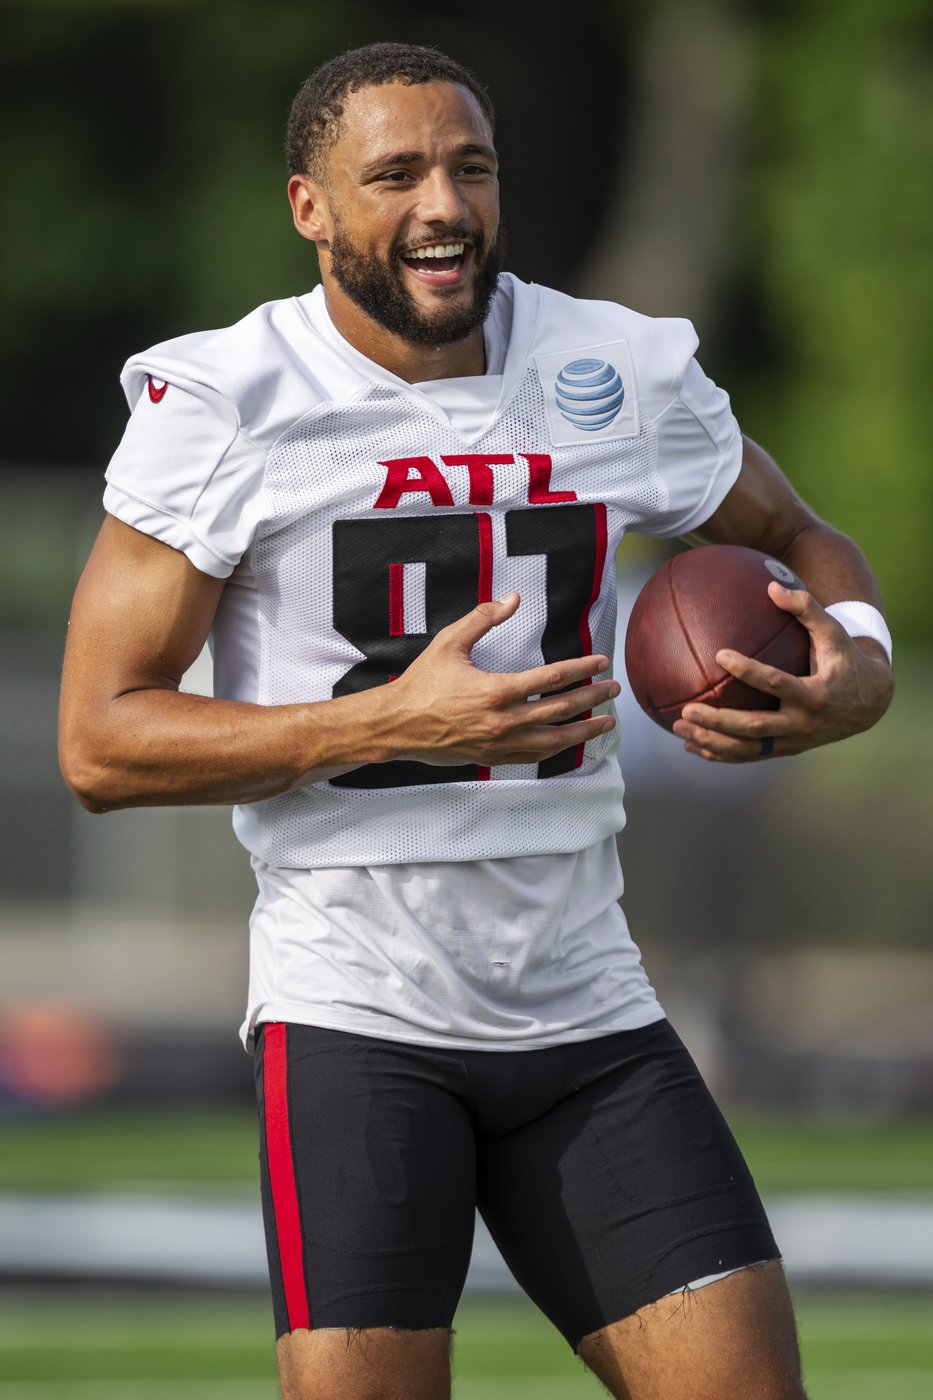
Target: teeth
437,250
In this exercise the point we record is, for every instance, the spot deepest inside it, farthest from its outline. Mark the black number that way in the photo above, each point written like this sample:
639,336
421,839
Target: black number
567,537
449,547
453,550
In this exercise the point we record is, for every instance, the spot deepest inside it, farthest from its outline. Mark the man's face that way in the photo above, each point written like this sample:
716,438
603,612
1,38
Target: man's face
413,202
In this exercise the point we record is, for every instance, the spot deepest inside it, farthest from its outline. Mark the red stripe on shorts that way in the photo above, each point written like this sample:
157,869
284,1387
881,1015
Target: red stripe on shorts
599,563
282,1173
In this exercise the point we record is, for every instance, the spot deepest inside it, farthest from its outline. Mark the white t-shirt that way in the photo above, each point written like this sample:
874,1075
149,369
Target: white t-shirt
508,954
354,514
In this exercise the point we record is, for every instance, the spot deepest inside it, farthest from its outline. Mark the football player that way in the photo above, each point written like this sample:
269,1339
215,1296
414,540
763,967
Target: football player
393,505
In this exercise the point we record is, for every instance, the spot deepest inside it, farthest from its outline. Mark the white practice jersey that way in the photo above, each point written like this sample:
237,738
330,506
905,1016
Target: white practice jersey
354,515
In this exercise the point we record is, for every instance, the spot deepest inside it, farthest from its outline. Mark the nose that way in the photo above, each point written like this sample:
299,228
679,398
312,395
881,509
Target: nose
440,199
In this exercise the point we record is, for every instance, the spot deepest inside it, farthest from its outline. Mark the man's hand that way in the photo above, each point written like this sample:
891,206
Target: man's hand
443,709
848,690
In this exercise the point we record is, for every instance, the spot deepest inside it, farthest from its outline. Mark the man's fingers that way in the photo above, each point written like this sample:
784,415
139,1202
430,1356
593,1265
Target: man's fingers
738,724
545,680
556,709
760,676
518,729
805,608
734,753
839,697
545,740
732,736
463,634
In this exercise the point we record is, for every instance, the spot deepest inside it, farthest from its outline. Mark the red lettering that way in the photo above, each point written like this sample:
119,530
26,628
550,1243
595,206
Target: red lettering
399,479
420,474
539,481
479,465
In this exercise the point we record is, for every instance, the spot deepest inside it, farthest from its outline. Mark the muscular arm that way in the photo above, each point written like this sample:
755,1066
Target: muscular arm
764,512
851,682
129,737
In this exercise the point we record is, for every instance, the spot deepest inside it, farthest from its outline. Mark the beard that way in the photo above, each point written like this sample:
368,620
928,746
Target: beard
377,289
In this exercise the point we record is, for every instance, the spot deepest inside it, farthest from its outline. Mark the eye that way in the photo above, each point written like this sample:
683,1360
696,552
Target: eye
395,177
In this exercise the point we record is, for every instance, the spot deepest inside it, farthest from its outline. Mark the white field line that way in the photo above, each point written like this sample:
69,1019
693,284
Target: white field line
823,1238
907,1383
128,1336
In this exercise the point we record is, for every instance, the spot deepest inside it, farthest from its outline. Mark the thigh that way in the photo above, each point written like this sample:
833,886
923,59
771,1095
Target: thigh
734,1338
630,1186
368,1181
373,1364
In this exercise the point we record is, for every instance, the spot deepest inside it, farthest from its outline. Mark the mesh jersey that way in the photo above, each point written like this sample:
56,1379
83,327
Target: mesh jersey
354,520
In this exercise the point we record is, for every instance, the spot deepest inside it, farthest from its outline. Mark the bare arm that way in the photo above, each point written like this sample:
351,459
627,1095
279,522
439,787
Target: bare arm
129,737
851,683
763,511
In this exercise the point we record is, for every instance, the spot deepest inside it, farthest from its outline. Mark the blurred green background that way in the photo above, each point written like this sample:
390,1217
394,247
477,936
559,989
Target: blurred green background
767,171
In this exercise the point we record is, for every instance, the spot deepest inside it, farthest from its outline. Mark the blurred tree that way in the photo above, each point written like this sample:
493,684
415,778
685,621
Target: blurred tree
778,190
836,340
142,193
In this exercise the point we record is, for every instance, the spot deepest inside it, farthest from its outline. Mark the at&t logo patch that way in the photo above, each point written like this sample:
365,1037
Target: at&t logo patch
590,394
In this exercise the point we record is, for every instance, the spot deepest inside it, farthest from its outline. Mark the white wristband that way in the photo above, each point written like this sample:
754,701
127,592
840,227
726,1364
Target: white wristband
862,620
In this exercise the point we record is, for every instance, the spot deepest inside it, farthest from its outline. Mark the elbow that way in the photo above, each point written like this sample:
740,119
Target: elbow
92,781
87,785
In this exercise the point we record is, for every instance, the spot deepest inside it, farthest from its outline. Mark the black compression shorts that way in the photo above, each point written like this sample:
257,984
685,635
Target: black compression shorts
603,1168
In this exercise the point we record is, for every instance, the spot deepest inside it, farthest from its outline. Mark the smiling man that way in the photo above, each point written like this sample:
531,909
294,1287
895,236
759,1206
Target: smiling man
406,276
421,289
394,505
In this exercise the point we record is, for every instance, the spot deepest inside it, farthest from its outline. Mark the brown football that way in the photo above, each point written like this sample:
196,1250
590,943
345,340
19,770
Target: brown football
700,601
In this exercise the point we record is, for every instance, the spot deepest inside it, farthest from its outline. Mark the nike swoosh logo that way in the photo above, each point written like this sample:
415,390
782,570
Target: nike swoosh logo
157,395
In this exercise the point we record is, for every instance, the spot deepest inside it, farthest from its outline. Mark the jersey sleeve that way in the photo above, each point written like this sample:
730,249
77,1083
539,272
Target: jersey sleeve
185,474
699,455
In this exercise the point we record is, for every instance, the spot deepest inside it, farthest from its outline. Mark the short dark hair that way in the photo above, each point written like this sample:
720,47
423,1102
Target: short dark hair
314,118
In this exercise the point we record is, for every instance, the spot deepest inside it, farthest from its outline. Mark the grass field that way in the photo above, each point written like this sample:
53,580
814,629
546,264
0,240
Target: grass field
159,1347
117,1148
74,1345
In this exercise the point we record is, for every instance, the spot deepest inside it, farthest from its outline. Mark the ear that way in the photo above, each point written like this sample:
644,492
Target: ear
309,209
